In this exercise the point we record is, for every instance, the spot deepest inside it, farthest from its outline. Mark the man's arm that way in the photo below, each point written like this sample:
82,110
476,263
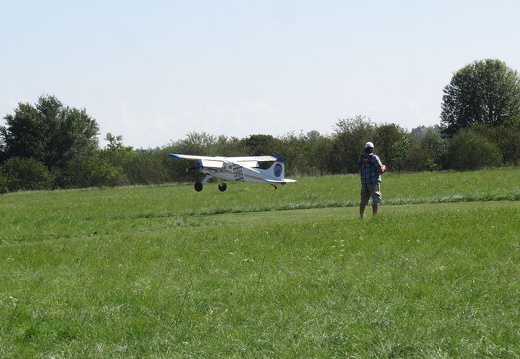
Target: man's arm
380,167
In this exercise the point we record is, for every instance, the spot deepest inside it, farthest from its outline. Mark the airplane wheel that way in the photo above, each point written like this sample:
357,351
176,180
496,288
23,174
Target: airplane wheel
222,187
198,186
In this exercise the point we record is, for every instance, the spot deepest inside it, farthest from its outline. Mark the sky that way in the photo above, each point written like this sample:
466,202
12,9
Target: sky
154,71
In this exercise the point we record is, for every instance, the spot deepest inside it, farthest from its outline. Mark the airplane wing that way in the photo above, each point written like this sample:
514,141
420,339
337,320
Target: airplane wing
196,157
219,161
254,159
229,159
207,161
244,160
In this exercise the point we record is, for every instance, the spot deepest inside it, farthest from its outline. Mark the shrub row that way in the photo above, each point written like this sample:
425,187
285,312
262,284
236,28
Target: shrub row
422,149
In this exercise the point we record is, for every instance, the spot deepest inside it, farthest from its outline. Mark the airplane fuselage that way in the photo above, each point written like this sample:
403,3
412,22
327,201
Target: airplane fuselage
242,169
236,172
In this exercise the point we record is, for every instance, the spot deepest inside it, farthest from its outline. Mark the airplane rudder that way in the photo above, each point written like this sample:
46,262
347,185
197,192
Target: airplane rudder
278,169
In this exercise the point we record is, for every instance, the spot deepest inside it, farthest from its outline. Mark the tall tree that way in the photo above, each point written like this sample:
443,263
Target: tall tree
485,92
348,142
258,145
48,132
385,138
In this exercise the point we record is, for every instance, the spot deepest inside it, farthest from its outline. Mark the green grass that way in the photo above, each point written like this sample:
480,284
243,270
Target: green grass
165,272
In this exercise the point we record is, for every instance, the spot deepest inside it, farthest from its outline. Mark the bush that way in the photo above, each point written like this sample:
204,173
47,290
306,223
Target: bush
348,143
506,138
4,188
406,156
469,150
25,174
84,172
146,167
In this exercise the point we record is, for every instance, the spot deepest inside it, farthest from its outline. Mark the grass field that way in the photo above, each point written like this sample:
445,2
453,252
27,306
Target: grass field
166,272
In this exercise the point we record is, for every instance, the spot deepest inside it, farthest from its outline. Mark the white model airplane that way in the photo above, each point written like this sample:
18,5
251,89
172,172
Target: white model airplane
243,169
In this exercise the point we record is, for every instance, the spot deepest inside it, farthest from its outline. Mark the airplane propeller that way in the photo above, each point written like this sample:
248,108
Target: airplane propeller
196,167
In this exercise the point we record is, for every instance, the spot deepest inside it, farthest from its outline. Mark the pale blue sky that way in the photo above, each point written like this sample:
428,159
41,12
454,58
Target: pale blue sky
155,70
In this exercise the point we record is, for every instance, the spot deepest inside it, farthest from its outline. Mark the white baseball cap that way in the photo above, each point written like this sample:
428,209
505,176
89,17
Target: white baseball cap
369,145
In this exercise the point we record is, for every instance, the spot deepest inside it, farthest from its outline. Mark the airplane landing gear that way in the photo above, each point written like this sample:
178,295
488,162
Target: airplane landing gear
198,186
222,187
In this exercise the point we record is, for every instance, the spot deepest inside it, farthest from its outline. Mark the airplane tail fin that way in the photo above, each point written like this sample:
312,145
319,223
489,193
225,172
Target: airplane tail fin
277,169
277,172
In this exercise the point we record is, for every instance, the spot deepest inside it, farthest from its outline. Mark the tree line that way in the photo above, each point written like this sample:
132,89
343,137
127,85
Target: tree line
49,145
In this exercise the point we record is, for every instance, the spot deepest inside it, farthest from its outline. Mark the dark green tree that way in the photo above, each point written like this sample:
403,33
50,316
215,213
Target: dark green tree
486,92
148,167
469,150
348,143
196,143
115,143
229,147
48,132
259,145
91,171
506,138
306,154
116,153
406,155
431,149
385,138
25,174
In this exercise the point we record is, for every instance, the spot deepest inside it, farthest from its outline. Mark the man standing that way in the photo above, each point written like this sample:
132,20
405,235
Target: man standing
371,169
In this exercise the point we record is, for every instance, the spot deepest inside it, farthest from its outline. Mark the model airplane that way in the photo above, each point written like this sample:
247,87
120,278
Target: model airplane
243,169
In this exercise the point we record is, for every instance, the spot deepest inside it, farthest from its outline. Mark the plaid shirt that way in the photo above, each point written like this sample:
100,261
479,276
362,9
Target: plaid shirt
369,164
